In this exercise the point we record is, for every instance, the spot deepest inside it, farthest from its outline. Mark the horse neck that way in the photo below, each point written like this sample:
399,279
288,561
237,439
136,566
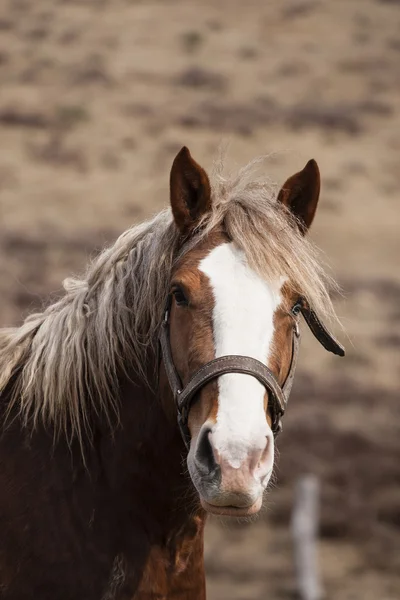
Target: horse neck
159,493
149,457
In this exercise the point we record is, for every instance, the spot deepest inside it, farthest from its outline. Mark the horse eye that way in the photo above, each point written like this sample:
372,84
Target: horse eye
296,309
180,297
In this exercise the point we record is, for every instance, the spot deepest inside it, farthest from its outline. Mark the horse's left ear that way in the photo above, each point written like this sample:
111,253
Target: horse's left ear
190,191
300,194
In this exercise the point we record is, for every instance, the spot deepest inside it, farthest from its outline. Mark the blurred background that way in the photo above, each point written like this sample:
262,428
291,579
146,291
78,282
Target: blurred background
96,98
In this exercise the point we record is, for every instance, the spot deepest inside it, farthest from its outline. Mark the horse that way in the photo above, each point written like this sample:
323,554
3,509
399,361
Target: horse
151,392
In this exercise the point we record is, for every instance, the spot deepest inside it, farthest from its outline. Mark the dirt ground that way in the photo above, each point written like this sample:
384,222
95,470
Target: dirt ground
97,96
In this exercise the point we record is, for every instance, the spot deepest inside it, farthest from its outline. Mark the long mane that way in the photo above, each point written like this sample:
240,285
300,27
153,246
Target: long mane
67,359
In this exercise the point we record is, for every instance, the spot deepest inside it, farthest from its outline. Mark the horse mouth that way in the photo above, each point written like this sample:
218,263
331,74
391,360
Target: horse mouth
232,511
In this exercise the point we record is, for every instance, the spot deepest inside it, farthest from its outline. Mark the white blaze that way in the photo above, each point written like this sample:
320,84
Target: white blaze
243,323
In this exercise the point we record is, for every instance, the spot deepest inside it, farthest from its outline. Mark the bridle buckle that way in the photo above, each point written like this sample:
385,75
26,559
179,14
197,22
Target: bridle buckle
296,328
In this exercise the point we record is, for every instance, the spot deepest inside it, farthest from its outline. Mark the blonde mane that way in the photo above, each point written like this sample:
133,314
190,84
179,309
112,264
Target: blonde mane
67,359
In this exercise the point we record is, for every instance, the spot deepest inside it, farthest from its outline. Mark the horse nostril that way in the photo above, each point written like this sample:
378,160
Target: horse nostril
261,461
204,455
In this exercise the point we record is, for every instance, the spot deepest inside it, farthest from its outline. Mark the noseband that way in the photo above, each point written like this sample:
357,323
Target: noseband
278,395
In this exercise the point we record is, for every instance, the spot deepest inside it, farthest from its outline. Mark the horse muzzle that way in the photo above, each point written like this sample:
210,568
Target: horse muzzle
231,479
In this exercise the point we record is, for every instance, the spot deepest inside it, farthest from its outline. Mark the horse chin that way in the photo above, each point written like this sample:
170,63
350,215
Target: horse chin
231,510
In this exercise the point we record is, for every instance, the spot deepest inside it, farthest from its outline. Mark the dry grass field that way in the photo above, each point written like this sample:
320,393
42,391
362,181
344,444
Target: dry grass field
97,96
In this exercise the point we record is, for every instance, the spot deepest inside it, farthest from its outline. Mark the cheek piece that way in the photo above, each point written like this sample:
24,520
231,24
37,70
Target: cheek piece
185,395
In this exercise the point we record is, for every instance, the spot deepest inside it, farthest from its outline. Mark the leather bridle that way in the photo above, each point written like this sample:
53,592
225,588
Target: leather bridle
185,396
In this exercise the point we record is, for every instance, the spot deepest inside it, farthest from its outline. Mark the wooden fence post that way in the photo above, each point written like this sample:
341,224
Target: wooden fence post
305,519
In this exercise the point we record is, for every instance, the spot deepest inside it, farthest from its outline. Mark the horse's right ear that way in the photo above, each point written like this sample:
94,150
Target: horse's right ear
190,191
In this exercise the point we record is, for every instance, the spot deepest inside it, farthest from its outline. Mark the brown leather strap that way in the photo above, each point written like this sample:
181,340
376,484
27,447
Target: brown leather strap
231,364
173,377
320,331
287,386
220,366
279,396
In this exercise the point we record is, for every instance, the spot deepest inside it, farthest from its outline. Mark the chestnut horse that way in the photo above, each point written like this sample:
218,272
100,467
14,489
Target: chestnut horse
96,502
